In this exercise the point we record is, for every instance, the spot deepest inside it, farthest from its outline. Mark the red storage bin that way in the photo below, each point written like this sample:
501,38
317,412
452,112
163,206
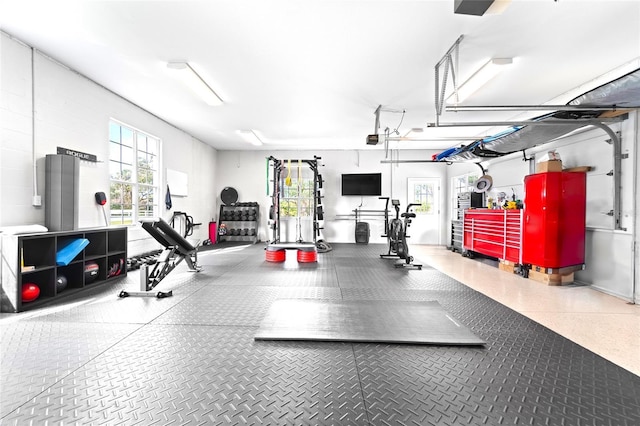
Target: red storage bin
213,232
554,219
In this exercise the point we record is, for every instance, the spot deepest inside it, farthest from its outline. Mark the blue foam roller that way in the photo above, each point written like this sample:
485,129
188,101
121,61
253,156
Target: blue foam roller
66,254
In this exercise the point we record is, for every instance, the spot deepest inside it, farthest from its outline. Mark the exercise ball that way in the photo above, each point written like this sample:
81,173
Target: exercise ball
91,270
61,283
30,292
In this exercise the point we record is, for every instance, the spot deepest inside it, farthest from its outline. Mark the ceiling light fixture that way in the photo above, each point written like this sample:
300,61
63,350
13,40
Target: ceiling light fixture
251,137
196,83
479,79
471,7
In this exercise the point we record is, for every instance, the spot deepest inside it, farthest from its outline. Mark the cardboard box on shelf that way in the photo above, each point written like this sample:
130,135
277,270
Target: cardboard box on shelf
549,166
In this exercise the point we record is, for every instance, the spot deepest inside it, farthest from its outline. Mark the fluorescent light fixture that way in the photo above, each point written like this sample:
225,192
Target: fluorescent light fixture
196,83
479,79
251,137
498,7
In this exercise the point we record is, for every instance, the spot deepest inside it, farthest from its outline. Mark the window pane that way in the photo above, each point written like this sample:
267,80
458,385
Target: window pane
114,171
114,151
146,202
127,137
120,204
289,208
152,177
145,212
127,155
152,146
127,214
307,192
142,176
127,194
422,193
115,195
145,195
305,210
142,142
127,173
152,161
114,132
472,180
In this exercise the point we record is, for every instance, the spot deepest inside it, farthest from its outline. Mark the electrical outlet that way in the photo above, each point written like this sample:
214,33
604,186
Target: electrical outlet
37,200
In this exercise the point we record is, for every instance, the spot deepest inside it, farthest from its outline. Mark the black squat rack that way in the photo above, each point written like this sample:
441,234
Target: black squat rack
281,172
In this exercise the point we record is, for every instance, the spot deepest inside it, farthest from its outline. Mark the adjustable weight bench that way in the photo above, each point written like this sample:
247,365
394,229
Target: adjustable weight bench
176,249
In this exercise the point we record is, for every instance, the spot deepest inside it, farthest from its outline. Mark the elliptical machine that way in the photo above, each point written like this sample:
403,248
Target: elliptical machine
396,234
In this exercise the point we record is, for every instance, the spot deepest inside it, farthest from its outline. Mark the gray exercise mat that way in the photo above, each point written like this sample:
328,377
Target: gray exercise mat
364,321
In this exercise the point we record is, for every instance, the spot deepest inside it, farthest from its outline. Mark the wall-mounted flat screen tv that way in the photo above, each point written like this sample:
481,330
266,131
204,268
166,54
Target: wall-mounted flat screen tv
362,184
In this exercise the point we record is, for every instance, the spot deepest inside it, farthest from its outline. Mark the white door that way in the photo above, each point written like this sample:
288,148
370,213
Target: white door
424,228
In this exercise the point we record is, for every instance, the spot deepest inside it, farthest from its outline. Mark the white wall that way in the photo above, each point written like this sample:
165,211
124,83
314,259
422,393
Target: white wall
16,171
246,172
73,112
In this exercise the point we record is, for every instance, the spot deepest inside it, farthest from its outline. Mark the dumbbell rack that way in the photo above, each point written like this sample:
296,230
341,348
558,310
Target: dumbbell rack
241,221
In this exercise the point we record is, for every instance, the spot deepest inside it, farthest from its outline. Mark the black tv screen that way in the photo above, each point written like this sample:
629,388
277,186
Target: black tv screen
362,184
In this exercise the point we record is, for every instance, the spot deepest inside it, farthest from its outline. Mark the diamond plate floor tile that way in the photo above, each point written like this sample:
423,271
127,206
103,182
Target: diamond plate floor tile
36,354
374,277
291,263
431,279
197,363
540,378
386,294
202,375
362,262
237,305
372,251
394,279
227,261
371,262
281,278
104,305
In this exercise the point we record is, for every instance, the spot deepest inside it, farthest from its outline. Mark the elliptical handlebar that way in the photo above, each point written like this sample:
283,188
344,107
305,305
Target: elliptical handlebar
386,216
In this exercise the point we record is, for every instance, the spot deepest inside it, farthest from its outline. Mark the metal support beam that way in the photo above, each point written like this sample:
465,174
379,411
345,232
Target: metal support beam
464,108
450,60
442,139
549,122
413,161
617,175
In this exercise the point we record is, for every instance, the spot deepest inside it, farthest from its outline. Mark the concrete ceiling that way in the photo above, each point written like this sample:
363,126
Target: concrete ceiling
310,74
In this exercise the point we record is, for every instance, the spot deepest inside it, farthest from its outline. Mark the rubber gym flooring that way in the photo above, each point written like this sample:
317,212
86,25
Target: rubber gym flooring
192,358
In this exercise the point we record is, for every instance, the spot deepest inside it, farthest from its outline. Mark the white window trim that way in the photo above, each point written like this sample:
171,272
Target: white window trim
135,185
410,185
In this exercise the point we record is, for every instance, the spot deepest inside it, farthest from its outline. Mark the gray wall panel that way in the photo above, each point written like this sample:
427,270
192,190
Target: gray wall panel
61,192
609,262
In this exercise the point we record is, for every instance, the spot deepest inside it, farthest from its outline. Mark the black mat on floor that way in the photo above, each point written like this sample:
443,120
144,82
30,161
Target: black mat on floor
370,321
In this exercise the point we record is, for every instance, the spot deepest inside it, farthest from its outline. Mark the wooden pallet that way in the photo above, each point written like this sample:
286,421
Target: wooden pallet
553,276
507,266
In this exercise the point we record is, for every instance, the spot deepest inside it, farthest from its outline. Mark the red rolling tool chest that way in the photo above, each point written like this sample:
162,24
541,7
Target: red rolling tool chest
494,233
554,219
